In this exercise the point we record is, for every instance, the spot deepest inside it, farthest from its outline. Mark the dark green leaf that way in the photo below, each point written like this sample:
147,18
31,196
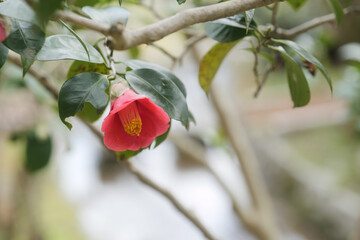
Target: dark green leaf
337,9
347,2
26,39
211,62
109,15
161,138
47,7
120,2
299,88
296,4
229,29
80,67
181,1
249,15
161,90
19,9
77,37
38,152
135,64
26,63
82,3
125,155
3,54
58,47
80,89
307,56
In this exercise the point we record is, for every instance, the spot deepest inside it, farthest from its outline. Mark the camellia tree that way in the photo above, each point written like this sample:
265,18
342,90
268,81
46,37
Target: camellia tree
145,98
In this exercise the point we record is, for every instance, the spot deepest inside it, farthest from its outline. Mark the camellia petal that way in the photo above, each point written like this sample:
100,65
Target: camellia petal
2,32
134,122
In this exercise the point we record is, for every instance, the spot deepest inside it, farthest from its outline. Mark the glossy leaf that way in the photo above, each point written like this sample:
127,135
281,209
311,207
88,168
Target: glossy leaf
38,152
45,8
125,155
83,88
26,39
181,1
81,67
3,54
59,47
19,10
337,9
161,90
211,62
109,15
77,37
299,88
296,4
135,64
229,29
249,15
160,139
307,56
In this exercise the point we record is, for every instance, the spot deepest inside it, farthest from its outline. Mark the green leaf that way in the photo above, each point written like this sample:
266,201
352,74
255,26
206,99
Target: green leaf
161,90
77,37
249,15
3,54
161,138
211,62
337,9
135,64
347,2
125,155
81,67
20,10
38,152
307,56
26,39
299,88
109,15
80,89
47,7
296,4
181,1
229,29
82,3
59,47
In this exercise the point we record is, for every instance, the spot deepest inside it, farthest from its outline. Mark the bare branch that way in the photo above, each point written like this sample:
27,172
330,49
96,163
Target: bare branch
147,181
128,39
189,44
237,135
330,18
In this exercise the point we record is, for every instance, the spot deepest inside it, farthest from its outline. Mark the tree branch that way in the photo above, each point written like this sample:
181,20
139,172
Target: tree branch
124,39
330,18
236,133
147,181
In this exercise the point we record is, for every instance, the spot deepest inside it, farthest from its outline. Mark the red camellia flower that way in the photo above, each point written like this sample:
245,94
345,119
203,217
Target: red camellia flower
134,122
2,32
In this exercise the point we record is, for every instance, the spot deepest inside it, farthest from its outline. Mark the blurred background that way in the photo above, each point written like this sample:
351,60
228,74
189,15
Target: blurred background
309,156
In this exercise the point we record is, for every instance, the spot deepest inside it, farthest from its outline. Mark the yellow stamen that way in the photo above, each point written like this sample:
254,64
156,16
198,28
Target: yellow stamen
130,119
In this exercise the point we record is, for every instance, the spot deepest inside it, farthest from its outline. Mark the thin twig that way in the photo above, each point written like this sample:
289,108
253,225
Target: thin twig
330,18
164,51
273,14
265,77
44,81
147,181
42,78
189,44
151,8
